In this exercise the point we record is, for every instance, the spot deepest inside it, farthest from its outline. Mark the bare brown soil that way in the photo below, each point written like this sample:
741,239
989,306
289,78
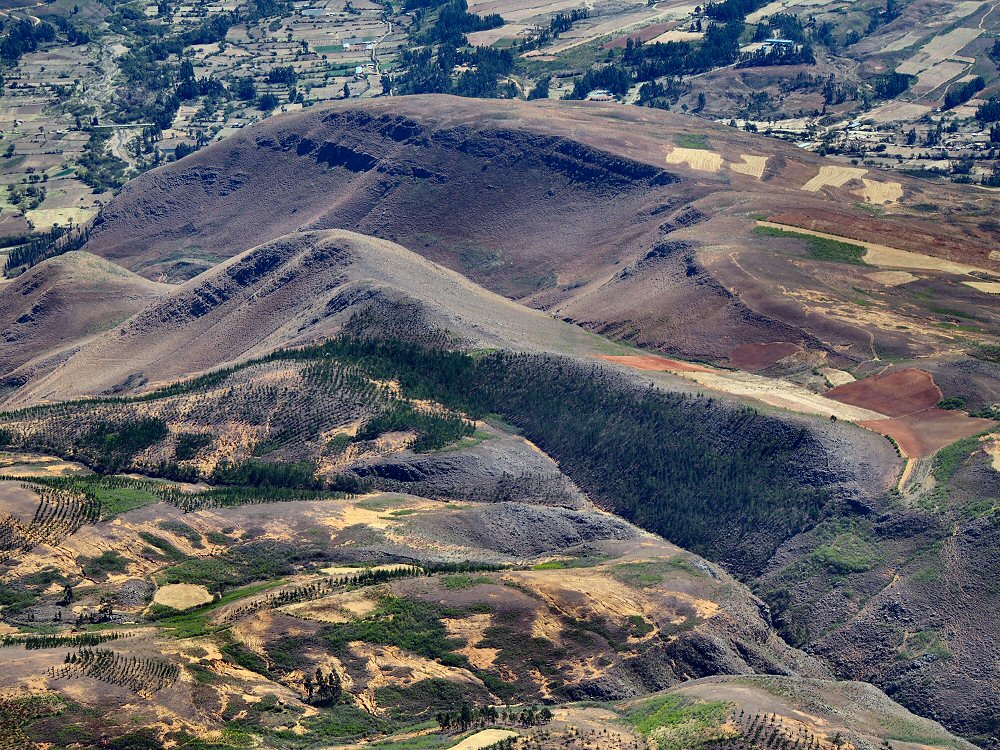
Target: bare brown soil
910,397
758,356
924,433
896,394
645,34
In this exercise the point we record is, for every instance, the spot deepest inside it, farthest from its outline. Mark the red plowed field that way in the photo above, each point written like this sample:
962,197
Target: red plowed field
922,434
758,356
895,394
655,364
645,34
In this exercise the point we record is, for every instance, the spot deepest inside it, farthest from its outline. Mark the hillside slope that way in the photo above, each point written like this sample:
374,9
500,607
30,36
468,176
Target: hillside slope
64,301
366,347
298,289
618,218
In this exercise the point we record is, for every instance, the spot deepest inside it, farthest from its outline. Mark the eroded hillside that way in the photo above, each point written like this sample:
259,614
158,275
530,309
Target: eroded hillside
617,219
362,453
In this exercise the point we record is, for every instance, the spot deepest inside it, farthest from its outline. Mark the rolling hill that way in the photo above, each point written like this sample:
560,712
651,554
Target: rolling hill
618,219
363,414
295,290
49,310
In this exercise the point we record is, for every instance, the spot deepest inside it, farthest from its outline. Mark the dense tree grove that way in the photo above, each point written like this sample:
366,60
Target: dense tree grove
428,69
778,56
24,36
38,247
427,72
467,716
560,23
891,85
730,11
647,62
111,445
989,111
962,92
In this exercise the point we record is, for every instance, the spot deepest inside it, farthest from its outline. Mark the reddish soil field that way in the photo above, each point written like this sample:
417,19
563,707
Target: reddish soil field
896,394
655,364
645,34
931,241
922,434
758,356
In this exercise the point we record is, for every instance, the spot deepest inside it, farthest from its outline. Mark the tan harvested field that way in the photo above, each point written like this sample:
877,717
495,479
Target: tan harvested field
938,61
780,394
654,363
836,377
45,218
906,40
936,76
833,176
770,391
339,607
750,165
490,37
484,739
880,193
990,287
899,111
939,48
891,278
678,35
618,24
182,595
521,10
695,158
889,257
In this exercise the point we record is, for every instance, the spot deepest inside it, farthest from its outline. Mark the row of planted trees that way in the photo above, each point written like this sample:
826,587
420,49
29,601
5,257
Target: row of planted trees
143,676
468,716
